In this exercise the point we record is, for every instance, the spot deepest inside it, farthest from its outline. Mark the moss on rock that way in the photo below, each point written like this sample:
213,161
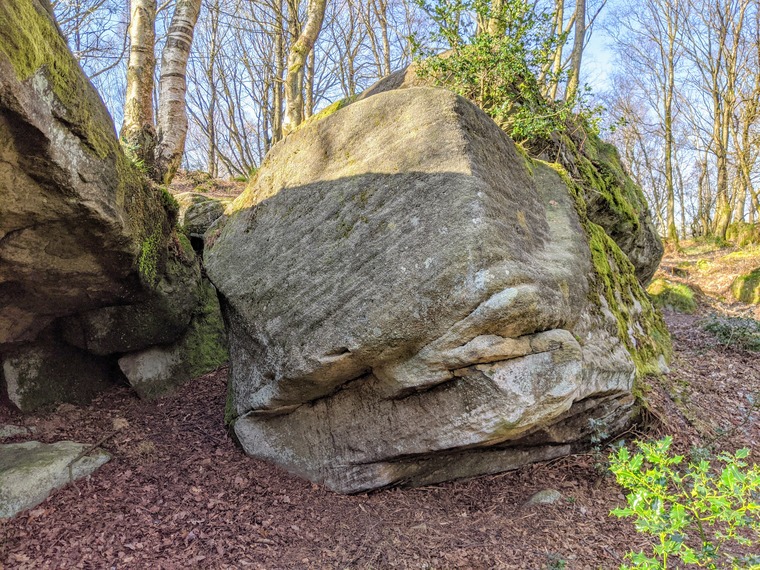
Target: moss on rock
32,42
675,296
743,233
746,288
640,325
202,349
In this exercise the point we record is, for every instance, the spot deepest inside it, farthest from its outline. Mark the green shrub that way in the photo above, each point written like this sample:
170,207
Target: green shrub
672,295
698,513
497,69
735,331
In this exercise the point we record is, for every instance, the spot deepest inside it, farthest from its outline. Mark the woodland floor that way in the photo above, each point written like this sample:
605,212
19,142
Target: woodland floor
178,493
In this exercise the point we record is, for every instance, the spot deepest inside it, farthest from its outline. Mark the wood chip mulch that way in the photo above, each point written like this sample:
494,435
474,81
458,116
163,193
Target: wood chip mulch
179,493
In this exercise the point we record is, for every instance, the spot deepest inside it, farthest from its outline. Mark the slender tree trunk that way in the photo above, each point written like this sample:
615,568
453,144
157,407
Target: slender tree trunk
556,66
277,86
669,72
383,19
138,136
705,197
172,107
576,55
308,109
297,61
211,78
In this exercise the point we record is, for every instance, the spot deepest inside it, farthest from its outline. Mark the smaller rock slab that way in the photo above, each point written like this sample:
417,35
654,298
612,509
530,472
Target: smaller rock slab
9,431
197,212
30,471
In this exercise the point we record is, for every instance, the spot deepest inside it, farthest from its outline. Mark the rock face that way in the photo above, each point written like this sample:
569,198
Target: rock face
410,300
202,348
49,371
74,211
746,288
197,212
30,471
613,200
91,265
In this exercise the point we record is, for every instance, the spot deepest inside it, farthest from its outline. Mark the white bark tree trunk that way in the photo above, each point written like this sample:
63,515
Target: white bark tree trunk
172,107
138,136
299,51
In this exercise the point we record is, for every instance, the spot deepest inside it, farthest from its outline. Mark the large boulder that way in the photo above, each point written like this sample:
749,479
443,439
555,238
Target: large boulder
76,214
89,252
410,300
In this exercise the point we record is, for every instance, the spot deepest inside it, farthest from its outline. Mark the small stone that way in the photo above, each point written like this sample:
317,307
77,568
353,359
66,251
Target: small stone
545,497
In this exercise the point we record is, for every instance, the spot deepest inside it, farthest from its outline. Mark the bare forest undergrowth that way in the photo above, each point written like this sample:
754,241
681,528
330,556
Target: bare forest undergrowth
180,494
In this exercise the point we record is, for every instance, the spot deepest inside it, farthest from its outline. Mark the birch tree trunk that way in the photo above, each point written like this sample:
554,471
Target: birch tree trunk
172,108
138,136
277,86
299,51
577,54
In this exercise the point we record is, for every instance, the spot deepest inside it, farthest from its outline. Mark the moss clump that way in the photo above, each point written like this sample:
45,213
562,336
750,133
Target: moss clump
207,338
675,296
327,111
640,325
743,234
746,288
614,200
170,205
150,255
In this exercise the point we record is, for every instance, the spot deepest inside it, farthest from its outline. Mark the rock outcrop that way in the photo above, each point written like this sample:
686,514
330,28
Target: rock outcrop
91,263
197,212
202,348
746,288
410,300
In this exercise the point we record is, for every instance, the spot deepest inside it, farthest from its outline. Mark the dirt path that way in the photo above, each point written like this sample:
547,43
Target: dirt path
179,494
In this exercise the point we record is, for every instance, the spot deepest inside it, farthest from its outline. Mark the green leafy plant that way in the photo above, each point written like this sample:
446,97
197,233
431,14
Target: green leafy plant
698,513
735,331
495,65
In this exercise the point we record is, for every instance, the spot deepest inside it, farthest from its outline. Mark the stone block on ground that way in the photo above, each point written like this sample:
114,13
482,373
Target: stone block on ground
49,372
30,471
202,349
